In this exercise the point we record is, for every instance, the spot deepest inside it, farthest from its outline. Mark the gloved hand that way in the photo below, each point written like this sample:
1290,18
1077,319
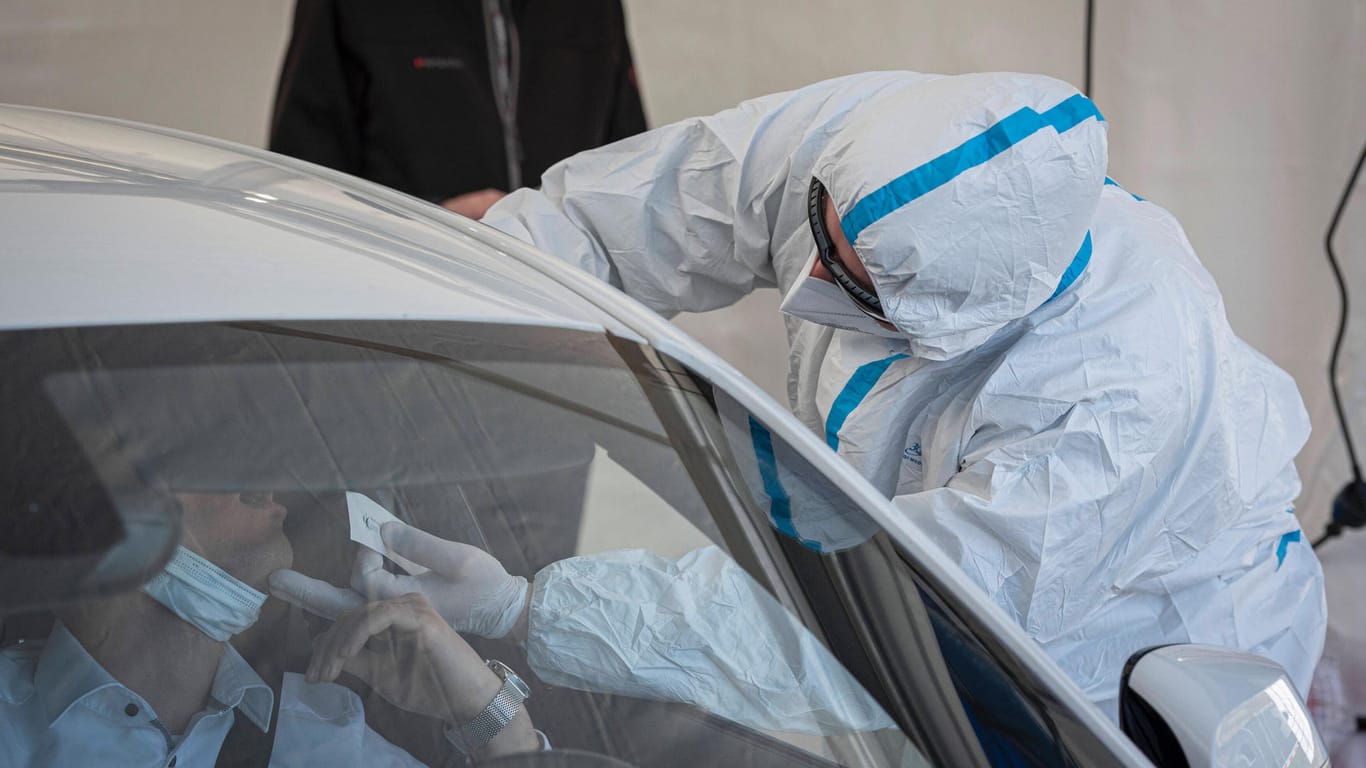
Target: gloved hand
467,586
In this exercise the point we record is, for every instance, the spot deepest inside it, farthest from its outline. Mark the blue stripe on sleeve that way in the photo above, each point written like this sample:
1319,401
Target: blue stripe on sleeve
1284,543
779,503
1286,540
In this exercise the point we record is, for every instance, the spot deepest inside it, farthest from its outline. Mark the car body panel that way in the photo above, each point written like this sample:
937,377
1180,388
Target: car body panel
270,240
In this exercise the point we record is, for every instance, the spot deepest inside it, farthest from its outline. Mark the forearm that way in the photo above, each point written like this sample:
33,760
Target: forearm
657,215
518,736
717,641
473,687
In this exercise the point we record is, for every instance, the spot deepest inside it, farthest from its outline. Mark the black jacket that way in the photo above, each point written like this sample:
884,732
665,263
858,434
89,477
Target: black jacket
400,92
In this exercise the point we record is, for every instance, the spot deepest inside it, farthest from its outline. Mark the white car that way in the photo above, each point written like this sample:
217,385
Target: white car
186,319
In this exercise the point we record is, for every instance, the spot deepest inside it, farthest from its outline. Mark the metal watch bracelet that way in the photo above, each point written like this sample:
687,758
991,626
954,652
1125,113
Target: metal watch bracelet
470,736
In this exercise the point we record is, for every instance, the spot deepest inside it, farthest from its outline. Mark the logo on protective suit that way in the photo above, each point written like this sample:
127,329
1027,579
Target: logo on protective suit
912,454
911,479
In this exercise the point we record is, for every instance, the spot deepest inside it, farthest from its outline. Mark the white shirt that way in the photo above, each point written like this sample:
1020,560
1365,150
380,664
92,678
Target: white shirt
59,707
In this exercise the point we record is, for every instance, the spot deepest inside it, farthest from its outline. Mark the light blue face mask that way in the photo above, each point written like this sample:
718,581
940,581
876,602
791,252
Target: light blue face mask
206,596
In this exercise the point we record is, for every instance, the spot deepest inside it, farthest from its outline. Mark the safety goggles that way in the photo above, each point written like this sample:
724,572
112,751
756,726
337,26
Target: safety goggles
867,301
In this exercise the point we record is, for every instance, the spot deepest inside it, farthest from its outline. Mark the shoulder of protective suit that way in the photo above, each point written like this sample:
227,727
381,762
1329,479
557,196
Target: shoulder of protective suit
968,197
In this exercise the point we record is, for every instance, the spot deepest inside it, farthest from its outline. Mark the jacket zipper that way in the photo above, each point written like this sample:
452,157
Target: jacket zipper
504,66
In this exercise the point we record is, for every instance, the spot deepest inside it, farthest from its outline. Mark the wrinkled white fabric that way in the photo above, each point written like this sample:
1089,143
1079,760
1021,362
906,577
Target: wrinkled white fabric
697,630
1069,416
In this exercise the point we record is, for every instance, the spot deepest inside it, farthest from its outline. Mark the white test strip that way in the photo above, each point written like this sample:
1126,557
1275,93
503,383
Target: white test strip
366,518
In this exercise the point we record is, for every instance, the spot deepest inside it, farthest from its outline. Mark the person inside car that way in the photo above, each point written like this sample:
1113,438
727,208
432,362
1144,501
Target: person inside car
148,678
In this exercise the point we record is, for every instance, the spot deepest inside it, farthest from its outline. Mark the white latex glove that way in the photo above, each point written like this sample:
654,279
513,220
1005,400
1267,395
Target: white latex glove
467,586
313,595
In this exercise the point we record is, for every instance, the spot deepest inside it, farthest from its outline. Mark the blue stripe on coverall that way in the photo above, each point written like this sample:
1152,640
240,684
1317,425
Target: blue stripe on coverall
858,387
867,375
1109,182
1074,269
779,503
1005,134
1286,540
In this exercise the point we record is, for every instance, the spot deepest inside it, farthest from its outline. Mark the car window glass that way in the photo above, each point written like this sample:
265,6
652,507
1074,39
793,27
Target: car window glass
565,457
970,697
1009,724
652,522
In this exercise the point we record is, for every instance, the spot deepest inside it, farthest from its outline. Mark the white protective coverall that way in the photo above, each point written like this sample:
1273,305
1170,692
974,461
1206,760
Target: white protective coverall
1064,409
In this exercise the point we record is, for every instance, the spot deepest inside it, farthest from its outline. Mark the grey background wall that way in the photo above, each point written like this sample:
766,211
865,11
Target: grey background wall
1240,117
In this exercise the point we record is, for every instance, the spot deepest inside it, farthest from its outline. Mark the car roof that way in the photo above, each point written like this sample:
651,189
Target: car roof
109,222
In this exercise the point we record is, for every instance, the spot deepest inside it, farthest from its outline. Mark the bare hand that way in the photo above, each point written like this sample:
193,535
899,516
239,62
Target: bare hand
408,654
474,204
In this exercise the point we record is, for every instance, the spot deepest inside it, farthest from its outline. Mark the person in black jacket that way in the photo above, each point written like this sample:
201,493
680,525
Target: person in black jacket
454,101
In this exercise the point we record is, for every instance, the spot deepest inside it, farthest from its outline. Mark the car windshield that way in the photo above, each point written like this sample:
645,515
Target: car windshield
282,458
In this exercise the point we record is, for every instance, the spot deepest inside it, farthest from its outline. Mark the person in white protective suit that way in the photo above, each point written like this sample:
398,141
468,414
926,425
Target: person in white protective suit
1055,396
1028,360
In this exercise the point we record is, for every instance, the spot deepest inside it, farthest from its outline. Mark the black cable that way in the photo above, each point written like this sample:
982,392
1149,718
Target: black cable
1349,508
1090,35
1342,319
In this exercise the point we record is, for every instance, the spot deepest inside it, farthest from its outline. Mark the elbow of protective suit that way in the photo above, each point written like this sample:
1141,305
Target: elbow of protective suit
531,216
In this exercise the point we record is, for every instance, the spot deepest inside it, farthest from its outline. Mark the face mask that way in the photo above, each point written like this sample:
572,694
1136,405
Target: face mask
205,595
823,302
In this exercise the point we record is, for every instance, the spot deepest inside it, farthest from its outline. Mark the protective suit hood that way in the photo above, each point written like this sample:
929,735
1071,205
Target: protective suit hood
968,198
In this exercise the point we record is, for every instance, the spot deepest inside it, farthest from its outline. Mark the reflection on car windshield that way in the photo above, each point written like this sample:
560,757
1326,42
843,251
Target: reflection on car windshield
405,543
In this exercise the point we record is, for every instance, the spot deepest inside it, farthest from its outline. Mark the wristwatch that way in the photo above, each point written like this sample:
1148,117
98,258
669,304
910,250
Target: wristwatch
469,736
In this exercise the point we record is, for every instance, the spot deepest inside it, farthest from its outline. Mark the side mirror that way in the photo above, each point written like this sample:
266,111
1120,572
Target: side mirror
1202,705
